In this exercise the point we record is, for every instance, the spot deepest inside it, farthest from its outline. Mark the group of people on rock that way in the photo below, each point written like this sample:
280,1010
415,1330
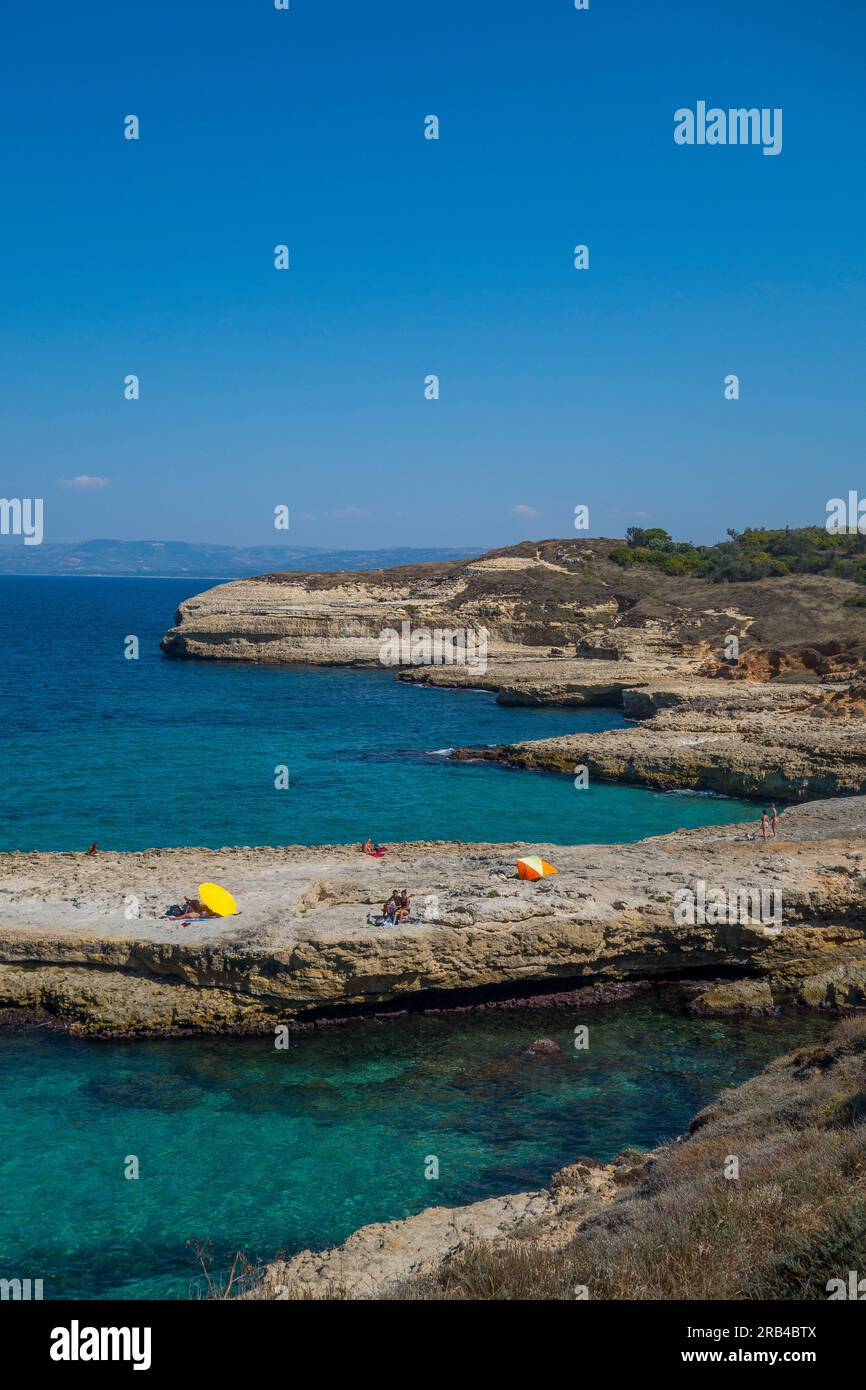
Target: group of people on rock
397,908
769,821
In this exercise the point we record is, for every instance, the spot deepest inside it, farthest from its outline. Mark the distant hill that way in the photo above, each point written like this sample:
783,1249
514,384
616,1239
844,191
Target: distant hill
198,560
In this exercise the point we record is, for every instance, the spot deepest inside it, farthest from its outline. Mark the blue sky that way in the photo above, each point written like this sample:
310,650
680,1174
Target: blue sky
410,257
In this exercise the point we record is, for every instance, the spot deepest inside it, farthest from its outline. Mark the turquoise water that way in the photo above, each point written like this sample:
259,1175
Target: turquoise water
162,752
237,1144
267,1151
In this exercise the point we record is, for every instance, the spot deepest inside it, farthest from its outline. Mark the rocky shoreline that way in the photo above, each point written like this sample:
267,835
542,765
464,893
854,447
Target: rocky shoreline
779,755
83,942
672,1223
565,627
83,946
376,1260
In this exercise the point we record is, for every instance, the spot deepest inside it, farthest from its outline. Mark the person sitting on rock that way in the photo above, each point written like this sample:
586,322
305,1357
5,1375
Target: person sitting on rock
94,849
190,908
404,904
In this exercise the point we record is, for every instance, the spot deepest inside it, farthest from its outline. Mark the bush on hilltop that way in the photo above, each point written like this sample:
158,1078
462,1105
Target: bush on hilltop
756,553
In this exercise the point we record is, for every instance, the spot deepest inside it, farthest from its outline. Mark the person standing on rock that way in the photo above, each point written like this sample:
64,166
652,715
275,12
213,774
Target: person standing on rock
765,826
773,820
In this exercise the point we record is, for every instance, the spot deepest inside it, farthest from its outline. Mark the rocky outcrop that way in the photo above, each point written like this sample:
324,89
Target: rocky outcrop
675,1223
524,601
82,941
843,986
563,596
732,997
562,625
771,753
376,1260
848,702
567,682
841,660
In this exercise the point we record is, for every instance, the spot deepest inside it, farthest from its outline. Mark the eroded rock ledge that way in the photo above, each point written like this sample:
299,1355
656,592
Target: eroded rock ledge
301,946
376,1260
781,754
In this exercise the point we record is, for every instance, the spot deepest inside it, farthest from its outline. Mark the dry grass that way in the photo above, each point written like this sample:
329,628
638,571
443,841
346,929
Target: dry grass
795,1217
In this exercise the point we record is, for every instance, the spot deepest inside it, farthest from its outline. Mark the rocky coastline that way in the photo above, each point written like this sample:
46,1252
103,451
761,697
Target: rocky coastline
676,1222
83,945
565,627
778,755
83,942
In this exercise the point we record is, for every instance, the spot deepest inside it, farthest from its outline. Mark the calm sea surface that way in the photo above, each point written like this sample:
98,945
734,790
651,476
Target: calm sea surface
160,752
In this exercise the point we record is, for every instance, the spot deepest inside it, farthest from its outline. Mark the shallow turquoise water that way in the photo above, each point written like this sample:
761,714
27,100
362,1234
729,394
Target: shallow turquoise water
238,1144
161,752
263,1150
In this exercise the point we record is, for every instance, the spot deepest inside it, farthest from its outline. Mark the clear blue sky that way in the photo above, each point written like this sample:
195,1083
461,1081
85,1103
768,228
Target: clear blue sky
411,257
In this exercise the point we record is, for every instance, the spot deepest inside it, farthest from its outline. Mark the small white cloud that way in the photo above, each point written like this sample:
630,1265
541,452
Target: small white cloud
523,510
351,514
83,482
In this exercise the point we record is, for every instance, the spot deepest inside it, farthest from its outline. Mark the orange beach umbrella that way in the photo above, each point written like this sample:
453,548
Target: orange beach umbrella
533,866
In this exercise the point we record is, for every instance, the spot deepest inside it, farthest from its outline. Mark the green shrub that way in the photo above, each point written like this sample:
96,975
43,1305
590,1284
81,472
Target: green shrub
756,553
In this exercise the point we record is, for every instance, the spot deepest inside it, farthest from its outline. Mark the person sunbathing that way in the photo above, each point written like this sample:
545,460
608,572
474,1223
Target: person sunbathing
404,904
190,908
369,848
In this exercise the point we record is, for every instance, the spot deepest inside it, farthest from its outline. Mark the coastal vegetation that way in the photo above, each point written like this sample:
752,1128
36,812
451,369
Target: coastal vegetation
748,556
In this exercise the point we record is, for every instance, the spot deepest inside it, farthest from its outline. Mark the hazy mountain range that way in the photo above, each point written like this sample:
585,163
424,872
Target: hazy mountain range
198,559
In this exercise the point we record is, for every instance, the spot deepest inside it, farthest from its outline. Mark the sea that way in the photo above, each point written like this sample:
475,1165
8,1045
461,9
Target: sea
237,1145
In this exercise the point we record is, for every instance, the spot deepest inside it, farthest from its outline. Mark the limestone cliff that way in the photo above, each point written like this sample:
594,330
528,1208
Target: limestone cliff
565,626
564,594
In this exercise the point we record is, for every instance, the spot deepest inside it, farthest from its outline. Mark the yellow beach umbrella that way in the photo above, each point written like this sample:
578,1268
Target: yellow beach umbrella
217,899
533,866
